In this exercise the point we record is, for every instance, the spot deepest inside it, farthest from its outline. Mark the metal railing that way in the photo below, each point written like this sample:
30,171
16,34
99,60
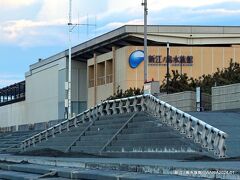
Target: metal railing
193,128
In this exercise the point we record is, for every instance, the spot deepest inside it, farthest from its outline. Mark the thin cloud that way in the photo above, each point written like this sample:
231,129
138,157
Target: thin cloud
8,79
16,3
218,11
114,25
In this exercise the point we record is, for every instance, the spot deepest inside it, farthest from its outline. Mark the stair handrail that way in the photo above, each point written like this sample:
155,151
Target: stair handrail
200,132
58,128
117,133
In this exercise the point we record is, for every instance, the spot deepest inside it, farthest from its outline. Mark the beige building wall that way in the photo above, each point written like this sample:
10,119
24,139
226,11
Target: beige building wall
100,78
206,60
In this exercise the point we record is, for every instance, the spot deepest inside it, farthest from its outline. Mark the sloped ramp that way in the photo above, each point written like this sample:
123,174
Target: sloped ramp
133,125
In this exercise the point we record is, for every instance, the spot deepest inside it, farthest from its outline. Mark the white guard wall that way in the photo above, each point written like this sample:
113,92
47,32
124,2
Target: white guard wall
13,114
226,97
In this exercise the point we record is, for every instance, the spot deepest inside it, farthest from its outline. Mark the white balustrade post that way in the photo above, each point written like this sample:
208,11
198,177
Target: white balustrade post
60,128
143,106
210,140
75,121
163,113
181,124
46,135
121,107
135,104
158,113
107,108
68,129
189,130
33,142
204,136
40,137
169,116
53,132
221,147
196,133
101,110
114,107
175,120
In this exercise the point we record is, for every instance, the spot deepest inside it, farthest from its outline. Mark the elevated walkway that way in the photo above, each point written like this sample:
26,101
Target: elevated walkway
140,126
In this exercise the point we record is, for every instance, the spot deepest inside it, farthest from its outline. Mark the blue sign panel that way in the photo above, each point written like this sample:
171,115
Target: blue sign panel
136,58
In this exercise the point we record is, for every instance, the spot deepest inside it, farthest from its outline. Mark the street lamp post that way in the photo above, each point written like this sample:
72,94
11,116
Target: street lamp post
145,41
168,67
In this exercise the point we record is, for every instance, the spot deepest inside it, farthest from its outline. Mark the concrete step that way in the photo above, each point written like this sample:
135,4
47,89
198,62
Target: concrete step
14,150
114,120
12,175
144,124
152,148
116,116
142,136
154,155
56,143
70,133
95,142
96,137
148,142
110,121
102,132
57,147
10,143
80,127
7,145
27,168
137,130
60,139
86,149
106,126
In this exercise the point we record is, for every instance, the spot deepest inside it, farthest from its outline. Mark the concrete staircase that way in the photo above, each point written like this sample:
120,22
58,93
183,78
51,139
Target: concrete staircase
10,141
147,137
142,137
62,141
139,126
99,133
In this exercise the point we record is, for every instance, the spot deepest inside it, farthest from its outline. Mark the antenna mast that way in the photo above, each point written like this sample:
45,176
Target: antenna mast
68,84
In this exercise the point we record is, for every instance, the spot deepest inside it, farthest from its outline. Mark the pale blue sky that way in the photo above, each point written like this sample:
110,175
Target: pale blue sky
33,29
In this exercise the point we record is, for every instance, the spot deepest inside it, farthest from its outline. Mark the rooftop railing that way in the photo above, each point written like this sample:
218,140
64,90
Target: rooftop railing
12,94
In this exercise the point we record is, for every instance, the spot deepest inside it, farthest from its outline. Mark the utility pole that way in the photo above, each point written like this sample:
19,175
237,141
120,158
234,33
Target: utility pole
145,42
